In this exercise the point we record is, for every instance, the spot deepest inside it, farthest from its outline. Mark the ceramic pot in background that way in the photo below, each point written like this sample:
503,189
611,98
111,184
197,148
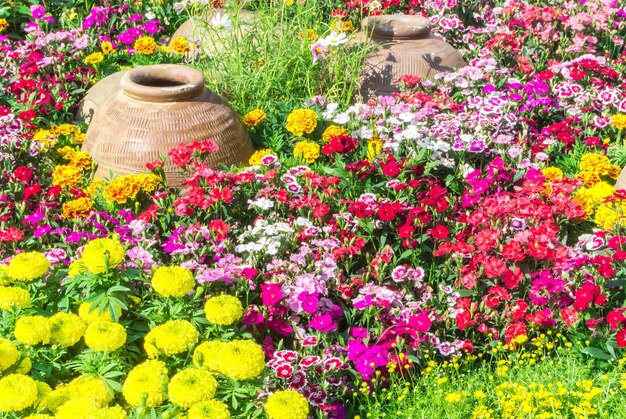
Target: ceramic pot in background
157,108
405,46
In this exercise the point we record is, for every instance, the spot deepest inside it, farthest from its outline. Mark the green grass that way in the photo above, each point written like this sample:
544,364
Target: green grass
565,384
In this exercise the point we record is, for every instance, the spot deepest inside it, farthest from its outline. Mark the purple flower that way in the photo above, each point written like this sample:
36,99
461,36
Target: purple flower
319,51
37,11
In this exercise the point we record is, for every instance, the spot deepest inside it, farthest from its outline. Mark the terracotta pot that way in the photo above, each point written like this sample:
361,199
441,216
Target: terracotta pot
621,180
97,95
405,46
157,108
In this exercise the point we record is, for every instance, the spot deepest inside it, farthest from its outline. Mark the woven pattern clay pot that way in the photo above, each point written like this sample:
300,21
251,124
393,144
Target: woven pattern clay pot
157,108
406,46
97,95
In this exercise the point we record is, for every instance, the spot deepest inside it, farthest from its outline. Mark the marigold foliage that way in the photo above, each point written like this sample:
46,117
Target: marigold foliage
17,392
173,281
223,310
33,330
287,404
191,386
146,382
105,336
28,266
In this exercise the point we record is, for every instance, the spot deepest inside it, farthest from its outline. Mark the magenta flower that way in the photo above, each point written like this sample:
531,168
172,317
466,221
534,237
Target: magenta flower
271,294
323,323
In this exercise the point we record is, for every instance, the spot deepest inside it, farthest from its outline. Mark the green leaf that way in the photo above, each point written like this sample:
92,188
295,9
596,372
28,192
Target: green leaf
596,353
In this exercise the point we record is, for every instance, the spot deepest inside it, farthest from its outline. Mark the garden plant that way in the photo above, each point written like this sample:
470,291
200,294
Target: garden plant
452,250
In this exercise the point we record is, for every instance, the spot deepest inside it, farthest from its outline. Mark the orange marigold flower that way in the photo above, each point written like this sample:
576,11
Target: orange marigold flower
180,45
66,176
301,121
145,45
253,117
77,208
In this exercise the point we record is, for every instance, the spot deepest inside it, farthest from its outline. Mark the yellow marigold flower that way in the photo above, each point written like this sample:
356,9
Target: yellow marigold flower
106,47
170,338
24,366
333,131
206,353
63,129
3,24
28,266
89,313
173,281
120,190
223,310
80,159
113,412
191,386
588,178
96,253
482,412
66,176
33,330
147,181
91,387
76,268
309,34
93,188
105,336
80,207
374,146
79,137
17,392
66,329
8,354
596,163
600,191
583,198
95,58
606,217
287,404
255,159
54,399
552,173
301,121
619,121
209,409
146,382
45,137
307,151
4,276
43,390
614,172
77,407
145,45
180,45
13,297
253,117
66,152
241,360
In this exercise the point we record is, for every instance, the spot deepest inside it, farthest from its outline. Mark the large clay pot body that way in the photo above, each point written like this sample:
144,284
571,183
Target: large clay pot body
97,95
157,108
405,46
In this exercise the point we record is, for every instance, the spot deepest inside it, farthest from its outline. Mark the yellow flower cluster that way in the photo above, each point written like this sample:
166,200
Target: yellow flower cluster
307,151
173,281
619,121
145,45
170,338
255,159
287,404
611,214
28,266
105,336
85,396
65,130
100,254
374,146
121,189
3,24
95,58
301,121
589,198
253,117
593,166
223,310
80,207
66,176
552,173
107,47
333,131
8,354
33,330
309,34
17,392
146,382
66,329
12,298
191,386
46,138
80,159
238,359
209,409
180,45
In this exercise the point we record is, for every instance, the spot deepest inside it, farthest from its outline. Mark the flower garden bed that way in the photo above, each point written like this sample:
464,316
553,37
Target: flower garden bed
467,224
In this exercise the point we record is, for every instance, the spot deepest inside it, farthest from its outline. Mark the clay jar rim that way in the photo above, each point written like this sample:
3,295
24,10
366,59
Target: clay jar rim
397,27
163,83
